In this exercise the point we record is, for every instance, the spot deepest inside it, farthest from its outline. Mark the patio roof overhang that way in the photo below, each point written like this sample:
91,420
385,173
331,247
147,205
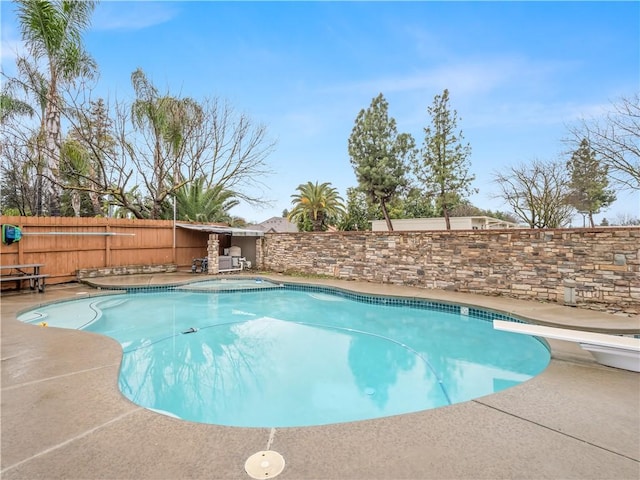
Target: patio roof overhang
222,230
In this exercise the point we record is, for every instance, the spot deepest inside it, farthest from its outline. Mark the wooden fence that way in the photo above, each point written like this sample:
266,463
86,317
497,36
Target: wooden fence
68,244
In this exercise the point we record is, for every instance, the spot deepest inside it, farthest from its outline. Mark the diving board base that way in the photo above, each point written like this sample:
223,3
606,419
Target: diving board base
610,350
614,357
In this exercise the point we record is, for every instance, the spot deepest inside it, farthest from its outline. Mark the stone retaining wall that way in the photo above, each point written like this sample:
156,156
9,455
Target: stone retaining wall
125,270
596,268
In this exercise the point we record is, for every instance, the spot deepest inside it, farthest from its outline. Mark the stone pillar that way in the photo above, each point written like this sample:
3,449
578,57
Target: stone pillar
259,244
212,254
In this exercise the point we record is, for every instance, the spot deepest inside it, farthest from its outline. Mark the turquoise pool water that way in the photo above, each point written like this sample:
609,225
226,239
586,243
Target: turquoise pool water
278,357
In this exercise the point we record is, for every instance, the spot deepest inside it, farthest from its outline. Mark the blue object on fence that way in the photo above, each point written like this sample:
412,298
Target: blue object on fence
10,234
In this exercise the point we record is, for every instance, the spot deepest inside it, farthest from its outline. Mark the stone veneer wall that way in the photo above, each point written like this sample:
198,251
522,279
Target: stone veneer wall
125,270
600,267
258,252
213,245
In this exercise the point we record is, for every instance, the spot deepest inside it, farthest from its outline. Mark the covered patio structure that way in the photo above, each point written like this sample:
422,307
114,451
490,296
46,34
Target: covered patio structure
229,249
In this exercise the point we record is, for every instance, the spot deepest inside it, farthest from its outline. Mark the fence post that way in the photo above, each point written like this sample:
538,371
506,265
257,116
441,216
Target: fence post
107,246
20,248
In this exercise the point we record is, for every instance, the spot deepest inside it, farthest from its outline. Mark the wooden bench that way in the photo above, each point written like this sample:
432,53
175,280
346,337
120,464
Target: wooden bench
611,350
20,273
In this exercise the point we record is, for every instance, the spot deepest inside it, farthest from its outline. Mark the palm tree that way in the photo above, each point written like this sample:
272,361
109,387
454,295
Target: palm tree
317,203
196,203
12,107
53,31
32,101
74,160
167,120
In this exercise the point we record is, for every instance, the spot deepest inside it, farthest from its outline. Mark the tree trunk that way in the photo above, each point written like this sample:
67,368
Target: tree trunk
95,203
75,202
317,222
39,193
53,140
445,211
591,220
156,209
386,215
40,170
158,176
93,195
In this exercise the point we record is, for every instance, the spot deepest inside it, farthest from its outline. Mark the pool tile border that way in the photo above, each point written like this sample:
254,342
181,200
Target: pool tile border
484,314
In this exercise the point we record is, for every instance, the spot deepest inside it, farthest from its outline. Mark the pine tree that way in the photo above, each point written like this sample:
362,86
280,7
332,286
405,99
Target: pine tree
443,166
93,132
379,154
359,211
589,182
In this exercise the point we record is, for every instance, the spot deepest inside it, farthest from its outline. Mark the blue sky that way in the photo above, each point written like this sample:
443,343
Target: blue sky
518,73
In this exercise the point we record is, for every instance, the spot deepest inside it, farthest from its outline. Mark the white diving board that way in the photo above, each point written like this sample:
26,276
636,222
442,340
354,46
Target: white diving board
611,350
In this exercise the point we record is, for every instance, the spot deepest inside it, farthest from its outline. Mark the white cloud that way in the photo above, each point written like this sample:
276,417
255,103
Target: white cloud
500,91
132,15
465,77
531,113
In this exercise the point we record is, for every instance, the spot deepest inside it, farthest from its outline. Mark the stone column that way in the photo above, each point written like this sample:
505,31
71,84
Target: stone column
212,254
259,244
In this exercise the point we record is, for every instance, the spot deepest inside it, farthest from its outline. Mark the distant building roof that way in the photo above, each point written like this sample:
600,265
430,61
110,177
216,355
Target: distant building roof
438,223
275,225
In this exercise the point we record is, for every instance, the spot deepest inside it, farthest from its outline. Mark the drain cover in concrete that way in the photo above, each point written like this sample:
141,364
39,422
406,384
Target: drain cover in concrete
265,464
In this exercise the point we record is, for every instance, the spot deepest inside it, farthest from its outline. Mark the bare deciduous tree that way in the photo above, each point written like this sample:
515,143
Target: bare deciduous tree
615,138
537,193
156,145
19,176
230,150
134,155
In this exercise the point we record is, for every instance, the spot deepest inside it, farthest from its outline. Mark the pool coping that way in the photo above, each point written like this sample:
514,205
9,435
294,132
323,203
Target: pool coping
63,416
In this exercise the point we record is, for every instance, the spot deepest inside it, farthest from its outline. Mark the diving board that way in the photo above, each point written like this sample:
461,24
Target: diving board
611,350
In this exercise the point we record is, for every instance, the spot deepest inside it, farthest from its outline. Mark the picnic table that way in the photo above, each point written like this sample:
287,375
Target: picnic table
20,273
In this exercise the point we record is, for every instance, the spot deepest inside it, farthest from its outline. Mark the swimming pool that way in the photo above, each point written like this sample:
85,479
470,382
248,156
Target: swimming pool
298,356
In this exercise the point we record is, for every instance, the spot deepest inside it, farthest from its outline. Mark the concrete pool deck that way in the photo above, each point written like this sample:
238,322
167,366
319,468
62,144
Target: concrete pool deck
64,417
